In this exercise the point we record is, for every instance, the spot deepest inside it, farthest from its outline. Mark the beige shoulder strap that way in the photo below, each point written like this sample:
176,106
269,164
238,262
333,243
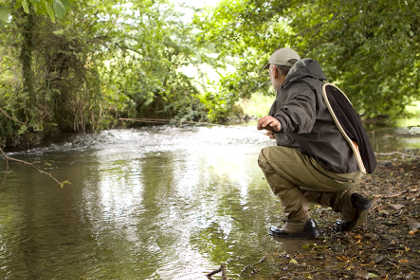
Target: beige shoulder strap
354,147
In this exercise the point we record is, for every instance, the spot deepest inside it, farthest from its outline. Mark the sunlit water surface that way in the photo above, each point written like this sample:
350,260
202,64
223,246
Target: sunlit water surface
152,203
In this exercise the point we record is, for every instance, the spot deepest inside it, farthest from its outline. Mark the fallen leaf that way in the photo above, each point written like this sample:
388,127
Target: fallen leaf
371,236
384,212
414,225
362,275
378,258
372,275
403,261
397,206
358,236
293,261
342,258
412,232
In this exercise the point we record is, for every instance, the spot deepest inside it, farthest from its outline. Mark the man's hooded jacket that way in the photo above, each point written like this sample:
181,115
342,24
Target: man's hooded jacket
319,120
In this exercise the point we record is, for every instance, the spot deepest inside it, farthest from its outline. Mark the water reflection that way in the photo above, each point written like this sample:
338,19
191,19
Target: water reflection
386,140
154,203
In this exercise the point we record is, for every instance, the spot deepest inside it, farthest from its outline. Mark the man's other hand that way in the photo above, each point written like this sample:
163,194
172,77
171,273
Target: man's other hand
269,123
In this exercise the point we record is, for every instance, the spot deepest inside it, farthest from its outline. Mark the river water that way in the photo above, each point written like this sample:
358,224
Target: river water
151,203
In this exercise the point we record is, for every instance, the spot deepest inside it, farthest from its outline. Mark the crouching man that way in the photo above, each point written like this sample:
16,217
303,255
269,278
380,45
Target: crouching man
322,148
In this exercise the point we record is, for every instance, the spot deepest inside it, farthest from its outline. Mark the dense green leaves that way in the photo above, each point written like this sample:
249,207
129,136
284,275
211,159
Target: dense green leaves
81,65
4,14
99,61
370,48
53,8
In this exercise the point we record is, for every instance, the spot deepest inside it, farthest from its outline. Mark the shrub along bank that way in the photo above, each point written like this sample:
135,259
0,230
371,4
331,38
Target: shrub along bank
79,66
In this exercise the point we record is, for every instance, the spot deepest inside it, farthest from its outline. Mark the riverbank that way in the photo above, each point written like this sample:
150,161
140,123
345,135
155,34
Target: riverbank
387,247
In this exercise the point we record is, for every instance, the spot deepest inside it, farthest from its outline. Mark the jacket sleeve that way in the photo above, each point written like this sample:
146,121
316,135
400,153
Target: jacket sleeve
298,113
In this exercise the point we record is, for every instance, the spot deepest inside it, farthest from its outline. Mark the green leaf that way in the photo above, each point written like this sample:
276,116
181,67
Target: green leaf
59,9
59,32
49,10
66,3
4,14
293,261
66,182
25,6
22,129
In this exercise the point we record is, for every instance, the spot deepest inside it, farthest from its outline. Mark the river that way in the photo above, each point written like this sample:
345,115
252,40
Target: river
151,203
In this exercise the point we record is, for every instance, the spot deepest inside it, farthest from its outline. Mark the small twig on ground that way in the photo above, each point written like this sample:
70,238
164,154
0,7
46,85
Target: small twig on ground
7,158
253,265
209,275
221,269
392,195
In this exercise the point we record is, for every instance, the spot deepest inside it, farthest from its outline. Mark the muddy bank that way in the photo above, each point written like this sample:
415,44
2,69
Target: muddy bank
387,247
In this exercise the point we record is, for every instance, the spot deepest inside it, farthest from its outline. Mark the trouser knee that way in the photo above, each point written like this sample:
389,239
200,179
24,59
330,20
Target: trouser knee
264,162
276,181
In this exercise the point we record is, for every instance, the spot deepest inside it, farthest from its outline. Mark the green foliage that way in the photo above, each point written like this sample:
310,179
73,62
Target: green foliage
4,14
90,62
368,48
257,106
53,8
76,66
55,86
217,105
151,50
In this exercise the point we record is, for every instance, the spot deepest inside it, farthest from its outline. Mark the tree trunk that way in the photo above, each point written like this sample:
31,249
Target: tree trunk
25,23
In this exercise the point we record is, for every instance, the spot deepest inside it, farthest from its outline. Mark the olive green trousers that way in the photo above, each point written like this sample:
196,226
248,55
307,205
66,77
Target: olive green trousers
298,180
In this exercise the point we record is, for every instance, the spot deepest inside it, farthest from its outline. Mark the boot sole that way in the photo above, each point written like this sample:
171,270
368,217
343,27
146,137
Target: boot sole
302,235
294,236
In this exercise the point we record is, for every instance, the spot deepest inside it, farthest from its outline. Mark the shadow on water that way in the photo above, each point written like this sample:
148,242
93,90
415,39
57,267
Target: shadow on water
154,203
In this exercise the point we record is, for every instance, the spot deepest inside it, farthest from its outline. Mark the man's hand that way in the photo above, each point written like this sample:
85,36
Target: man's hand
270,134
269,123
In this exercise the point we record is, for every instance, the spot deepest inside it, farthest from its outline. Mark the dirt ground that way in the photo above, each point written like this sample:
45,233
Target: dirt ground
387,247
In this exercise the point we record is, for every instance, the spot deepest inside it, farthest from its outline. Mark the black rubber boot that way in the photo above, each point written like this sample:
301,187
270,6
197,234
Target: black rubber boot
310,231
362,205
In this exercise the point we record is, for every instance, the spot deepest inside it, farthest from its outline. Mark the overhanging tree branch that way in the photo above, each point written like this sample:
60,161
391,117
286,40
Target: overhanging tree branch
11,118
7,158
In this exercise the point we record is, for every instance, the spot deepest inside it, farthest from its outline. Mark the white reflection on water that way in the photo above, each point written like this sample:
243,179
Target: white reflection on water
187,170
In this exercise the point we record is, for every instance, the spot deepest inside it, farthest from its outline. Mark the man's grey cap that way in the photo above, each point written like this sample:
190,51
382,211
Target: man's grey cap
283,56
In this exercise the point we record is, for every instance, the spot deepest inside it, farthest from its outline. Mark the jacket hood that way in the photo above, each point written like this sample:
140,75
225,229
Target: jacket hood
304,68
